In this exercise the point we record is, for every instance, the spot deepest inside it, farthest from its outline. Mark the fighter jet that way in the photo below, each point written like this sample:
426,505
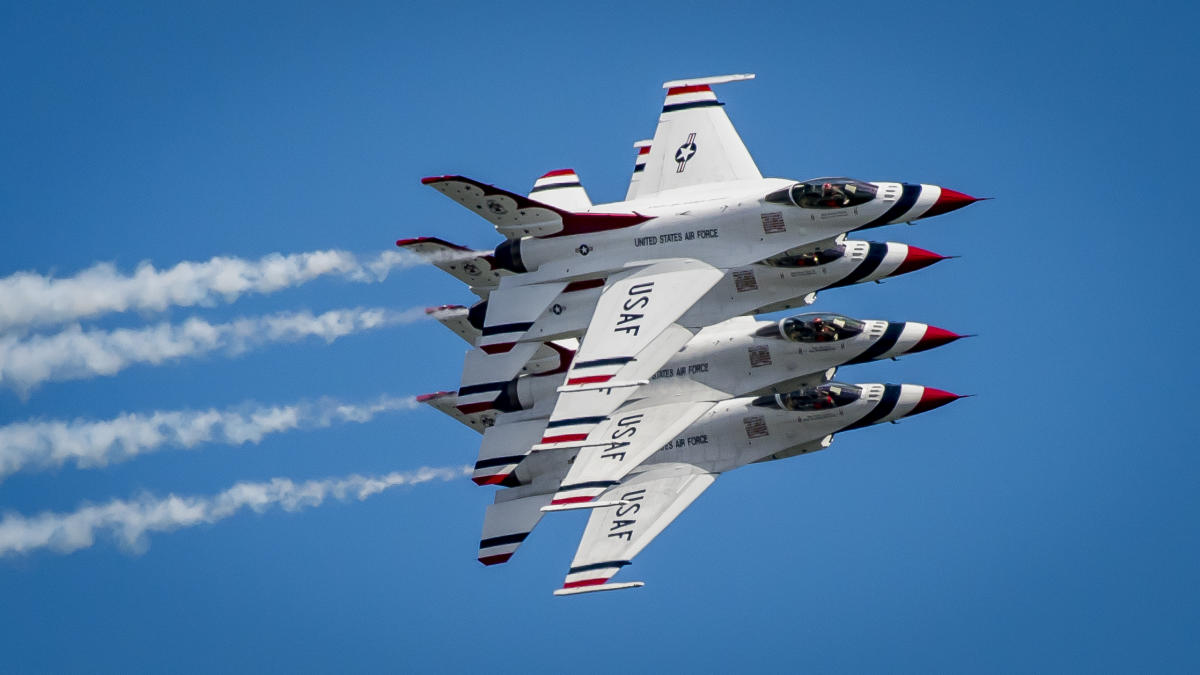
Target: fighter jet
686,459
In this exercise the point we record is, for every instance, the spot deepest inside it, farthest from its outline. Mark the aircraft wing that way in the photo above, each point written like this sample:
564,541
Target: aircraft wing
695,142
631,334
618,446
652,499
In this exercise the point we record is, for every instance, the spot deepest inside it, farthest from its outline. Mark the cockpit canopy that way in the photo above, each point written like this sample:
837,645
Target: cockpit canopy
807,258
819,327
824,397
825,193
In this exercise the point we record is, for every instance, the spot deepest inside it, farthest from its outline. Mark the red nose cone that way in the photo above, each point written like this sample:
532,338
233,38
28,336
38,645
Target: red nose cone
948,201
933,398
917,258
934,337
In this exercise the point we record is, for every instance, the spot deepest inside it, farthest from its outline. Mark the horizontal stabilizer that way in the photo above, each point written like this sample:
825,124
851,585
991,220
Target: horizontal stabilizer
457,319
515,216
602,587
446,401
473,268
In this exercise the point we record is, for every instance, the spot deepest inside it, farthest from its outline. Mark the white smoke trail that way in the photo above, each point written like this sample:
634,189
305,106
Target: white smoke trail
28,299
129,521
91,443
75,353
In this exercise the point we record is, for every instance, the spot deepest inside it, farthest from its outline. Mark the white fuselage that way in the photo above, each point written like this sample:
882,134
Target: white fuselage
724,225
749,289
736,432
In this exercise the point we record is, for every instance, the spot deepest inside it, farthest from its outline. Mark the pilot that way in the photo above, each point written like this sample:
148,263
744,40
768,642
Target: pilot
833,195
825,331
817,326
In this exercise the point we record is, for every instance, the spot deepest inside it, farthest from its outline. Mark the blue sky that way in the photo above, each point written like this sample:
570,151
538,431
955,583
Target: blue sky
1048,524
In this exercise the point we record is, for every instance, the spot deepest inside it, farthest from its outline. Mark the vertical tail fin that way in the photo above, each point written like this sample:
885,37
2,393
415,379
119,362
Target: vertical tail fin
639,166
561,189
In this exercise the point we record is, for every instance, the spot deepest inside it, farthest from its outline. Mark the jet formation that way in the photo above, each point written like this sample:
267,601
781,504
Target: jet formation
615,362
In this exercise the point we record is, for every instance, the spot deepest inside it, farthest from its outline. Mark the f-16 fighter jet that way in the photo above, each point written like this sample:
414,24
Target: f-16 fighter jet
685,460
681,253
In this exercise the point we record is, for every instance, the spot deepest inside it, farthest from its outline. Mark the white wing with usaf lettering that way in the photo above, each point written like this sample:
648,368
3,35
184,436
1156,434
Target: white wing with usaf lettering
618,446
695,142
614,535
631,334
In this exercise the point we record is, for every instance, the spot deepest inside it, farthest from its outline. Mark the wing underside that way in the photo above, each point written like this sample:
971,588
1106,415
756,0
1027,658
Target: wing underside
650,500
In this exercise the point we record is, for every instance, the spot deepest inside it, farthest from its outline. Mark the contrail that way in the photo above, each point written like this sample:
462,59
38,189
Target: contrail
39,445
28,299
75,353
129,521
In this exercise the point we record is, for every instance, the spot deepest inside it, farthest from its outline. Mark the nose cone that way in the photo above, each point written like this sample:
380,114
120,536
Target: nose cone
917,258
932,398
948,201
934,337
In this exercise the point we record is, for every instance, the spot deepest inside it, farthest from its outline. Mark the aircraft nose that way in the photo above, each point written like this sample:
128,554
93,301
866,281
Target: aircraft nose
917,258
949,200
933,398
934,337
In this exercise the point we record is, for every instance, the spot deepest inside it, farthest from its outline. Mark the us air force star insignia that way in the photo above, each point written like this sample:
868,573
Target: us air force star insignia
685,152
583,249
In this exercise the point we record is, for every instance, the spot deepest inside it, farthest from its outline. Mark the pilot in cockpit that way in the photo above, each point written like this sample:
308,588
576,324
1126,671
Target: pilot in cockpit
824,331
832,195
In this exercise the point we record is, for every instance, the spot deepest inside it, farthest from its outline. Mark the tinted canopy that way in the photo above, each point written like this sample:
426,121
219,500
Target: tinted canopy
825,397
825,193
819,327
